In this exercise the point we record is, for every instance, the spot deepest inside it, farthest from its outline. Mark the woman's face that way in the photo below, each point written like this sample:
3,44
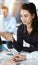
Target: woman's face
26,16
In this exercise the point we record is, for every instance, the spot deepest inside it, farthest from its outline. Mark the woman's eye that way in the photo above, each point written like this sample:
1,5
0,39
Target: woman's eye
25,15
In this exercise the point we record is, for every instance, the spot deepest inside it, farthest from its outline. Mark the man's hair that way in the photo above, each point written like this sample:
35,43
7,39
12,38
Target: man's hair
5,7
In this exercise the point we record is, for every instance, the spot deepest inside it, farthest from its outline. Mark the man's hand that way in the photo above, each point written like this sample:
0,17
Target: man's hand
3,34
19,57
7,36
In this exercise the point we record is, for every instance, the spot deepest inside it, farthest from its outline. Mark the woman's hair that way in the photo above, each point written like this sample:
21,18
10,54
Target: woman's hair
32,9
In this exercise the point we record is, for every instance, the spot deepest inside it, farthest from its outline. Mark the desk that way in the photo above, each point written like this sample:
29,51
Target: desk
30,62
4,56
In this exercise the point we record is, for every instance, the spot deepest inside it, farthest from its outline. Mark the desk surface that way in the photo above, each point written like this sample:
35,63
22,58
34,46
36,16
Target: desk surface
4,56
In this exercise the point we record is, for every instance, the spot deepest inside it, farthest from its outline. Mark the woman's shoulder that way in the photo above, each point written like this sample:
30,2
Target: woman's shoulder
21,27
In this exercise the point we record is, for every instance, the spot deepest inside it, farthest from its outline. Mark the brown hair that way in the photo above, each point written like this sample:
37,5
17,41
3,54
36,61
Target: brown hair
5,7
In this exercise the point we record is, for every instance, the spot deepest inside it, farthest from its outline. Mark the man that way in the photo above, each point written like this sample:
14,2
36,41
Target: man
9,25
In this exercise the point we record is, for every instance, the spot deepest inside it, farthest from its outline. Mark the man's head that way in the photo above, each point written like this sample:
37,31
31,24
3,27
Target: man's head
5,11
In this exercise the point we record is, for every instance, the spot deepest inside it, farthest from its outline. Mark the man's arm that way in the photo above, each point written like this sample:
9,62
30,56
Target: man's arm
3,34
7,36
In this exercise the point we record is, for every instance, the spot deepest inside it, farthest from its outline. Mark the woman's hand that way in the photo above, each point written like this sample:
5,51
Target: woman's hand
19,57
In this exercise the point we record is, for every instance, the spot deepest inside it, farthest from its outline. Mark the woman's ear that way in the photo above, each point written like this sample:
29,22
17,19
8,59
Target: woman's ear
33,16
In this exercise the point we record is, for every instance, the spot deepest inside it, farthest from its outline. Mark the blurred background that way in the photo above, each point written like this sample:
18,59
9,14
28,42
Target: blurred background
15,6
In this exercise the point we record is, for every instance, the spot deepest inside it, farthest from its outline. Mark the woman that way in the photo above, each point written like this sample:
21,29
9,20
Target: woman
27,31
